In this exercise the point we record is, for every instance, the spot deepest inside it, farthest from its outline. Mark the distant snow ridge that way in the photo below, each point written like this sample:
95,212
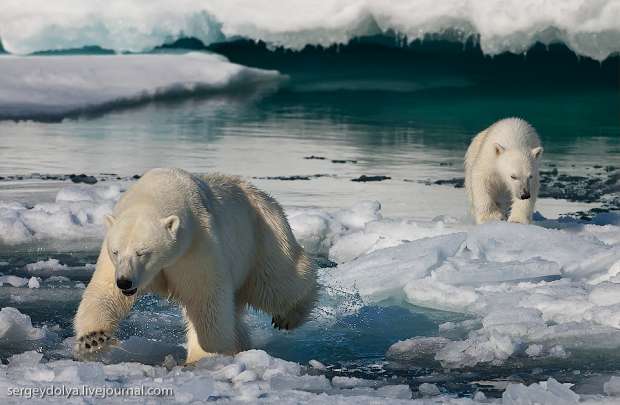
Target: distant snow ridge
44,87
588,27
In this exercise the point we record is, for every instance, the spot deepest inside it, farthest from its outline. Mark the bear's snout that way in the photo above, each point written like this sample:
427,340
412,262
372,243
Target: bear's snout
525,195
125,285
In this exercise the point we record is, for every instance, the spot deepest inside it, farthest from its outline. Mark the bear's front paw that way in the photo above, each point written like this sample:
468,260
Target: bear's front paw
92,343
519,220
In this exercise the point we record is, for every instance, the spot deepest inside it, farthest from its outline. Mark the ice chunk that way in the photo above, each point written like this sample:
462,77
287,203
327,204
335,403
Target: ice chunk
480,348
474,272
359,214
13,280
513,321
504,242
16,327
399,391
245,377
548,392
49,264
612,387
381,234
384,273
91,372
318,230
534,350
352,382
33,282
428,390
229,372
315,230
416,349
317,365
605,294
25,359
266,366
433,294
311,383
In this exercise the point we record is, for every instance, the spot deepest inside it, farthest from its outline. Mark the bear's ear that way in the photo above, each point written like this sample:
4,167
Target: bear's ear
109,220
537,152
172,224
499,149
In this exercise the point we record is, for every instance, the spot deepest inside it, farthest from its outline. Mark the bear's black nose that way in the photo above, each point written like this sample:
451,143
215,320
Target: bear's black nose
123,283
525,196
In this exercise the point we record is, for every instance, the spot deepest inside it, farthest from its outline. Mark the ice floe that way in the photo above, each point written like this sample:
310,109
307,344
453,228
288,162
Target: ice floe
49,88
535,291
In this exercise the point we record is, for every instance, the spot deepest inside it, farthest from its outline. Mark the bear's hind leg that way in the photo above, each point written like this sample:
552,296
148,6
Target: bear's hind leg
286,289
296,315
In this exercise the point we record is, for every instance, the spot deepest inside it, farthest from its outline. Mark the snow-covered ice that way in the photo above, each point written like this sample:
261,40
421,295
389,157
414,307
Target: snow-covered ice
536,291
39,87
543,292
251,376
589,28
77,213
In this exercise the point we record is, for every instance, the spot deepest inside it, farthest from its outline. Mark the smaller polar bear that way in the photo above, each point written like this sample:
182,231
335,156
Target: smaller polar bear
214,244
501,172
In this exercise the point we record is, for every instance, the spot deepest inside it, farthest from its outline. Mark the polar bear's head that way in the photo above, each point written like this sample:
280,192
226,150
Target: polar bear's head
517,168
140,244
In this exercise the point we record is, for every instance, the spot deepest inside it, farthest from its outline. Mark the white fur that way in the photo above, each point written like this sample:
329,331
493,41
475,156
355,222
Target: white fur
214,244
501,165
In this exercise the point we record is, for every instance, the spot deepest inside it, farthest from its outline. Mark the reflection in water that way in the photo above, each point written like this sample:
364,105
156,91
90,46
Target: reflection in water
407,136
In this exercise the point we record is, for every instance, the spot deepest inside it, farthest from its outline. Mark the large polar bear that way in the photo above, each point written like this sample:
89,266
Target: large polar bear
501,172
214,244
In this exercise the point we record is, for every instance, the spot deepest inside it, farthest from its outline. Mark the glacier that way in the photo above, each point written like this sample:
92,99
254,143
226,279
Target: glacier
589,28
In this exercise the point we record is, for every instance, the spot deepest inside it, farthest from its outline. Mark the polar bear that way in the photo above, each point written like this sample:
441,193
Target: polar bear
214,244
501,172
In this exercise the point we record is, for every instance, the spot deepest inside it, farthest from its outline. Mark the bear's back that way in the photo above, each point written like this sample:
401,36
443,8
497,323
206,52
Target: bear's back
168,190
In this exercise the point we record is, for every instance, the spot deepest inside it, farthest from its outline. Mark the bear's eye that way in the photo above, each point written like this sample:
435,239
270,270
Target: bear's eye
115,252
513,177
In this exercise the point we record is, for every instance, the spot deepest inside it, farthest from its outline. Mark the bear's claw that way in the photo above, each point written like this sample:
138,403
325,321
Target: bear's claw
91,343
279,323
